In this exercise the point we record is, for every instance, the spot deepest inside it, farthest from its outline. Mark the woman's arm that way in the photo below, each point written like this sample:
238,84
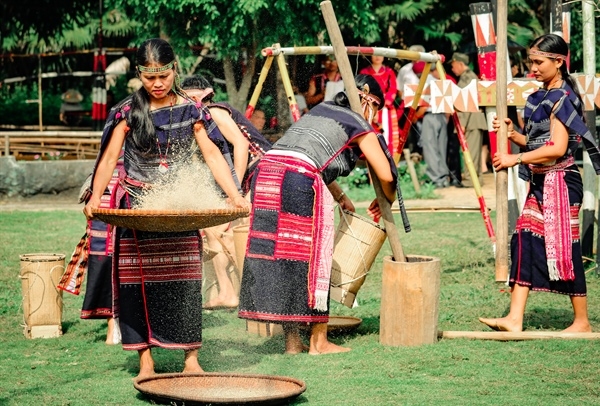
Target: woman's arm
340,197
553,150
232,133
378,163
106,167
218,166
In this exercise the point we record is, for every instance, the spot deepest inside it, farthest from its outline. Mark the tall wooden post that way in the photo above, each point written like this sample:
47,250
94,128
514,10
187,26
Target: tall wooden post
502,145
589,175
488,57
588,205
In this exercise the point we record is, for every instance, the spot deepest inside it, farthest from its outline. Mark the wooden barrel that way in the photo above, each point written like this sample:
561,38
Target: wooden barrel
410,297
356,245
42,300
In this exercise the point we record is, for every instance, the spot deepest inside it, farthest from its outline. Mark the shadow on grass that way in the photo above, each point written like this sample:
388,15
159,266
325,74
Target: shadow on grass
214,356
369,325
211,319
538,318
66,325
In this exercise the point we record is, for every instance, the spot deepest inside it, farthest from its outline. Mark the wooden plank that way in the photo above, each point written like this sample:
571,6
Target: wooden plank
519,336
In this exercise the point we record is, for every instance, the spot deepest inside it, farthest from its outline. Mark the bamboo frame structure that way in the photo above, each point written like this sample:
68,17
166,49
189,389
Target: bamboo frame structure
277,51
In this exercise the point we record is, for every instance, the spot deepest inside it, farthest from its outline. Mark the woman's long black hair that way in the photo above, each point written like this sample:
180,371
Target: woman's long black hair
160,52
341,99
555,44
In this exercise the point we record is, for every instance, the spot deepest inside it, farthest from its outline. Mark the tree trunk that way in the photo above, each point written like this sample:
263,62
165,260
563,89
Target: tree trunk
238,98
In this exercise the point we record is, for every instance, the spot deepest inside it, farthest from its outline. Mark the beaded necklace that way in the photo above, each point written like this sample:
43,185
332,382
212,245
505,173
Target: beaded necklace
163,165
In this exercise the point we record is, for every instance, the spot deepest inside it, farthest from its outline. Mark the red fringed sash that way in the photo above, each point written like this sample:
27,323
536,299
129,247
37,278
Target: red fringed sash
557,220
73,277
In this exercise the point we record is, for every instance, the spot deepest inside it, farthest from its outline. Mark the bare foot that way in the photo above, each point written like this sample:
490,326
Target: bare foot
502,324
578,327
191,365
221,303
193,370
327,348
113,333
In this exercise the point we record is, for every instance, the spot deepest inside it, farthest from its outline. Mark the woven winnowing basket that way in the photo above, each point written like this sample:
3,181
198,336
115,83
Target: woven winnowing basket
168,220
356,245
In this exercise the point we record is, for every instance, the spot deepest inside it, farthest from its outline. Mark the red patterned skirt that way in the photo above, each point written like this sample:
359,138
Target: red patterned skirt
290,238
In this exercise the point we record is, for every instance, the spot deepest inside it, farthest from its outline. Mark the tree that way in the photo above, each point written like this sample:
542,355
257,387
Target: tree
237,30
35,28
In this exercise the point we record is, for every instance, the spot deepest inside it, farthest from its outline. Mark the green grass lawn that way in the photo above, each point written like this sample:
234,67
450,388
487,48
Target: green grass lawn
79,369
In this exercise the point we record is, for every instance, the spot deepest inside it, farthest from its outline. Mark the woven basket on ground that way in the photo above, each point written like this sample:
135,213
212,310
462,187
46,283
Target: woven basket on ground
220,388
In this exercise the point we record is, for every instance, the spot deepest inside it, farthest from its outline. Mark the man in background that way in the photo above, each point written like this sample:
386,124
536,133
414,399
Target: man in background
434,135
327,83
473,124
71,110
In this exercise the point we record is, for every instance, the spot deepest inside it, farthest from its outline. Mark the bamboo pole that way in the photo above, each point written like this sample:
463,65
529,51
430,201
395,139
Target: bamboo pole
287,85
412,111
471,168
351,50
40,109
411,170
518,336
502,145
347,76
259,86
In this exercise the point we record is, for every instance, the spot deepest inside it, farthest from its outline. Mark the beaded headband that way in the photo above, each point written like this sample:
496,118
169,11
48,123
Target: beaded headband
369,103
369,97
156,70
547,54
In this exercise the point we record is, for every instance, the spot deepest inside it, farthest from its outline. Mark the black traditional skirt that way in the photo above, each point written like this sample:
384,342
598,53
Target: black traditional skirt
528,250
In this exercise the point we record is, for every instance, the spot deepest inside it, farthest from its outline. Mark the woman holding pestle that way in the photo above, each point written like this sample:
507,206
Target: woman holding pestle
288,258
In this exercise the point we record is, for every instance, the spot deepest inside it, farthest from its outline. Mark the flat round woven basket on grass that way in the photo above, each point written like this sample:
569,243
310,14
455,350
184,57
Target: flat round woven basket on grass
168,220
220,388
